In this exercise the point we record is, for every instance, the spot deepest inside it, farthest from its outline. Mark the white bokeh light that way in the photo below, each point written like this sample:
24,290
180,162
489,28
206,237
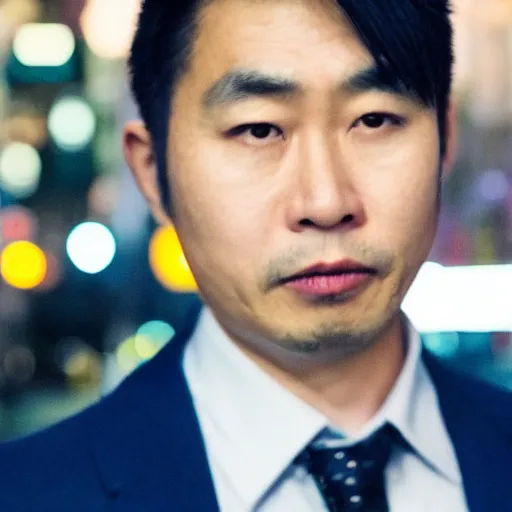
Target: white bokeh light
44,44
72,123
108,26
20,170
91,247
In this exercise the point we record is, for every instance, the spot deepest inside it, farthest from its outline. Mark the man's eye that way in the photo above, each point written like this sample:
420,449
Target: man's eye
257,131
377,120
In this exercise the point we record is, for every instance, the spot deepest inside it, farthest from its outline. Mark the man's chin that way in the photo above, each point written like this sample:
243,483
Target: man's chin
330,341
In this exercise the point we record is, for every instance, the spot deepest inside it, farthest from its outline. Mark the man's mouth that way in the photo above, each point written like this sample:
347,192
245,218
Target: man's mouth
330,279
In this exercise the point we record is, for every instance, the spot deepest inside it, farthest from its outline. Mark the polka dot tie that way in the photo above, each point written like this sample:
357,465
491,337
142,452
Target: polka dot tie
350,478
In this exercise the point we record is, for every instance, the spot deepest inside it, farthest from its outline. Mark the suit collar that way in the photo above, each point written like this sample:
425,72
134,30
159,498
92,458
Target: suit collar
146,438
479,421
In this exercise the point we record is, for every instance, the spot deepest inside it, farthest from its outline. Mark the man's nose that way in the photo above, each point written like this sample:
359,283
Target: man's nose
325,195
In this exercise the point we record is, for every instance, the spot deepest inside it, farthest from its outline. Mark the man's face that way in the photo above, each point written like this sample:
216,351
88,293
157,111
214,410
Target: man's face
295,165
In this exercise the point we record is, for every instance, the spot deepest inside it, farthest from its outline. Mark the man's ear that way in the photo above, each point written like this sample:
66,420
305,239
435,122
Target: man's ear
451,140
138,153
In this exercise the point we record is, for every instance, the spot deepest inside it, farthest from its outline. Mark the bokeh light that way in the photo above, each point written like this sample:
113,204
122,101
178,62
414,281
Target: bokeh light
20,169
83,368
152,337
15,13
147,342
108,27
23,265
80,363
158,331
445,345
168,262
28,127
71,123
126,355
91,247
493,185
44,44
17,223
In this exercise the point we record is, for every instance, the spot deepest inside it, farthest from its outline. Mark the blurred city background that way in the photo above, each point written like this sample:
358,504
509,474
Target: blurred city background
90,288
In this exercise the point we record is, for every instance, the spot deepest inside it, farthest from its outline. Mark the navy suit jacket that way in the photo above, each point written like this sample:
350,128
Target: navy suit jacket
140,449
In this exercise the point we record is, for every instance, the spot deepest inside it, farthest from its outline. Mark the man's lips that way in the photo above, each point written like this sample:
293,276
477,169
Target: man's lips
328,279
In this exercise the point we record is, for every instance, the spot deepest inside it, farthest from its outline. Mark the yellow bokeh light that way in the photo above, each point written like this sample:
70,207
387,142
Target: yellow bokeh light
23,265
168,262
145,347
127,357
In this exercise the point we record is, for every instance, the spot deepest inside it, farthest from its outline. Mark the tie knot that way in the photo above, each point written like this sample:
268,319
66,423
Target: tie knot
349,475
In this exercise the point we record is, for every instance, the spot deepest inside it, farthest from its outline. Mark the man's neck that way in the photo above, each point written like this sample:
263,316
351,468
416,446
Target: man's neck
348,392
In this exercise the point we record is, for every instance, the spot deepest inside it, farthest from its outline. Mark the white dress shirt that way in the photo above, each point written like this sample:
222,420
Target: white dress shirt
254,428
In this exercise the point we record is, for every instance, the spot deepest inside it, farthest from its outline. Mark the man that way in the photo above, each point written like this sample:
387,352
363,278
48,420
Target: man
298,147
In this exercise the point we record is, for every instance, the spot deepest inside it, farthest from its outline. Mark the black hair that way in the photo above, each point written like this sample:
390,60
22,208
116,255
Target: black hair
411,39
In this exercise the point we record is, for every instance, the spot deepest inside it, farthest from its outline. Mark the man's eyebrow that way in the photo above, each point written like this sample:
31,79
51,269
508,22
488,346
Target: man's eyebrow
239,85
375,78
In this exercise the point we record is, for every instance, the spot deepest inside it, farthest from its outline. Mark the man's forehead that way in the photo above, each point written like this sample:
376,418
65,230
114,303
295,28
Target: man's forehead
214,16
289,47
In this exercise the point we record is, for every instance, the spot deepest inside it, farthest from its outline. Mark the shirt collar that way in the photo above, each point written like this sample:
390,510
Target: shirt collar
268,419
254,418
413,408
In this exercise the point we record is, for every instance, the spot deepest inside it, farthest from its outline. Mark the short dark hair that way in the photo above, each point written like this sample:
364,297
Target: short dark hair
412,39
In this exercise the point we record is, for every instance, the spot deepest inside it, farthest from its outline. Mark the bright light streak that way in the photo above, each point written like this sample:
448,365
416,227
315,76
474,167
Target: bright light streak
91,247
20,169
464,299
71,123
44,44
23,265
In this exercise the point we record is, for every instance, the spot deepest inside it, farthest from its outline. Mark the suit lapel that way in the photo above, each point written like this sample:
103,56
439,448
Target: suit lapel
146,439
479,421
